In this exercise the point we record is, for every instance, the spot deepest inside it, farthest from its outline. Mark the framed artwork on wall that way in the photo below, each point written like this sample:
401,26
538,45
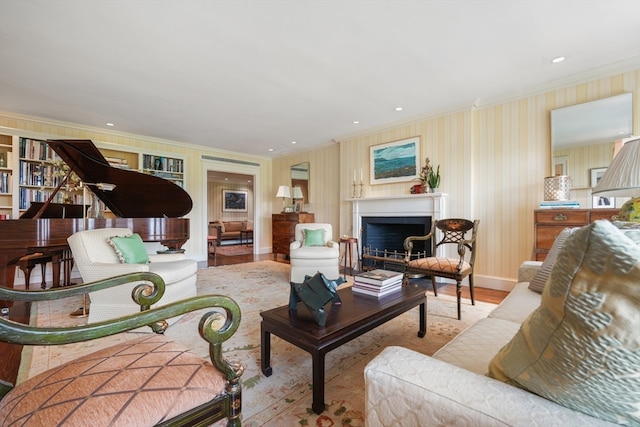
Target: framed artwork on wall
234,201
596,174
603,202
600,201
396,161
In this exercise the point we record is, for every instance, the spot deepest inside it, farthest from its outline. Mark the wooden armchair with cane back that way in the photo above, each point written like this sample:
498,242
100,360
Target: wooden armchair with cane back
145,381
457,232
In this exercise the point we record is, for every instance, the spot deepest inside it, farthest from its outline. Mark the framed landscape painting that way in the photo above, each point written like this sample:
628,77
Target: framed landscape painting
234,201
396,161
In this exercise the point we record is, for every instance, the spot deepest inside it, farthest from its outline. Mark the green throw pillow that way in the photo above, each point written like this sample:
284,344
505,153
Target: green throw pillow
314,237
581,347
130,249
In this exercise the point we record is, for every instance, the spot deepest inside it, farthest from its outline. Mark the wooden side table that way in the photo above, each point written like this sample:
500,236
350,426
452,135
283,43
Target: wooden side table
246,234
348,253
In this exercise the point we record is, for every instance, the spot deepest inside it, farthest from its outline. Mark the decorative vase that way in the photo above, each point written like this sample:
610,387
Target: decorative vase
433,190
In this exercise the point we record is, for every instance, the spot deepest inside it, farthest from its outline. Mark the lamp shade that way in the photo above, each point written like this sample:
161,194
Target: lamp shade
284,192
297,193
622,177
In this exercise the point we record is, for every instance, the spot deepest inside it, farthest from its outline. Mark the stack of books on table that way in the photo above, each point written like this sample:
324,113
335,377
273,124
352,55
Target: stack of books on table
560,204
377,282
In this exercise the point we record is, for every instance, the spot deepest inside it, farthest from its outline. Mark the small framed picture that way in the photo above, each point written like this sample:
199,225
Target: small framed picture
234,201
596,174
603,202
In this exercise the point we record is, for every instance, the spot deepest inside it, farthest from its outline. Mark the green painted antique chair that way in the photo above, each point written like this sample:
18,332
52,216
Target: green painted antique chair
150,380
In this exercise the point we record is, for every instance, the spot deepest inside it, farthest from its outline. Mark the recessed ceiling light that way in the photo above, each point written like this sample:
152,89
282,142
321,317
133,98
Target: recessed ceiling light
110,124
293,142
355,122
398,108
558,59
270,149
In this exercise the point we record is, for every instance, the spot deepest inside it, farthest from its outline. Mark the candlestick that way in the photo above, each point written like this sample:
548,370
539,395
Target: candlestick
361,175
361,189
354,189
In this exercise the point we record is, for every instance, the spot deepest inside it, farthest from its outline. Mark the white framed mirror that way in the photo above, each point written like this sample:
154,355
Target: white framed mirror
583,136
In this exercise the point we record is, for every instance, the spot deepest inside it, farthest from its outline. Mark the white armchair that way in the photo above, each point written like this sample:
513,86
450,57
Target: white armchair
96,260
313,252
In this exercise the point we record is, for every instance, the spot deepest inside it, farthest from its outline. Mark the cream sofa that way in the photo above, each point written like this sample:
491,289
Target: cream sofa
406,388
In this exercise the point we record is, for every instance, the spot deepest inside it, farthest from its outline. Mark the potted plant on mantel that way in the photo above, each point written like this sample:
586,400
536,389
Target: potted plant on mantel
434,180
429,179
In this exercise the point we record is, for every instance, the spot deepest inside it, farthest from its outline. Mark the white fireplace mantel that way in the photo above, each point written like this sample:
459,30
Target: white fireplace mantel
428,204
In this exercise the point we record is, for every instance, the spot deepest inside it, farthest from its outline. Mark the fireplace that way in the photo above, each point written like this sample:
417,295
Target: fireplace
394,218
388,233
383,237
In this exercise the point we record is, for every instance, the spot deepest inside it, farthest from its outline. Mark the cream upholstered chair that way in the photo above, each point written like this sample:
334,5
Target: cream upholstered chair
313,251
97,259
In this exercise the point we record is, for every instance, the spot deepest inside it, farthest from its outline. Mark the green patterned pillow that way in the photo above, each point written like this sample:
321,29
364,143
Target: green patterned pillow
581,347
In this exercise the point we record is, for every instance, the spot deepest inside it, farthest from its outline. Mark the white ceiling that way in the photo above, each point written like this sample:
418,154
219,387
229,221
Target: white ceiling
252,75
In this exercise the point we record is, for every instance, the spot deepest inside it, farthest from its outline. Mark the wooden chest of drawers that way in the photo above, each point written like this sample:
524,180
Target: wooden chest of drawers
548,223
283,227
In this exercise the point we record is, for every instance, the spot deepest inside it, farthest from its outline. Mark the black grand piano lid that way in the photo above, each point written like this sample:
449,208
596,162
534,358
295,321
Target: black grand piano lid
136,194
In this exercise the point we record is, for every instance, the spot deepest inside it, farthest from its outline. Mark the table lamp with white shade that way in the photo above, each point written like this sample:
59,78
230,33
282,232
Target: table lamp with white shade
285,193
622,179
297,195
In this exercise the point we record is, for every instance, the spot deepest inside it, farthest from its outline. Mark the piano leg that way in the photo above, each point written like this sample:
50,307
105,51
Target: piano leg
56,260
8,270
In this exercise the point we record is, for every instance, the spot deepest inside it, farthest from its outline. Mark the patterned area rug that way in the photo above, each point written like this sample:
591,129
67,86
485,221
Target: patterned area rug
284,398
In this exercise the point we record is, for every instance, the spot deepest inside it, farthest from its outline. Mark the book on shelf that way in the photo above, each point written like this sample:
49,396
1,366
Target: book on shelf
378,277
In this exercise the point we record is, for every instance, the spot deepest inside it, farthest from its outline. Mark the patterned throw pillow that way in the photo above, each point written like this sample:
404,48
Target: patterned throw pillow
314,237
581,347
130,249
539,281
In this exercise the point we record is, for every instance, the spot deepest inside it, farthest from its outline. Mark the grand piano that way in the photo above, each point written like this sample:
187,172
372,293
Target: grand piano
148,205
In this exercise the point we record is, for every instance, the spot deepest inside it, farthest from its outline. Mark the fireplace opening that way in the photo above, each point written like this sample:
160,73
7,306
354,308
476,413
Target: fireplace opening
383,239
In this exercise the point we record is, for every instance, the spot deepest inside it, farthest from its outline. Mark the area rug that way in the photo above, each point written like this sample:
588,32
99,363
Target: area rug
231,250
284,398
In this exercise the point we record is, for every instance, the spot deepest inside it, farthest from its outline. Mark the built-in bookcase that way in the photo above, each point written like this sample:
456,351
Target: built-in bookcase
39,173
6,177
169,168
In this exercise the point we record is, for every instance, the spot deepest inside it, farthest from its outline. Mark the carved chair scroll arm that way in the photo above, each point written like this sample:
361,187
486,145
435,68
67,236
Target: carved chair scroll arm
144,294
408,244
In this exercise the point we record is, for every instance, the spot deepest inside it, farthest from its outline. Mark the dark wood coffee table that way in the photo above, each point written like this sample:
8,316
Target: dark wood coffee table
356,315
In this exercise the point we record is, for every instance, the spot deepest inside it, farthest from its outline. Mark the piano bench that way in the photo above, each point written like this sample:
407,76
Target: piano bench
28,262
